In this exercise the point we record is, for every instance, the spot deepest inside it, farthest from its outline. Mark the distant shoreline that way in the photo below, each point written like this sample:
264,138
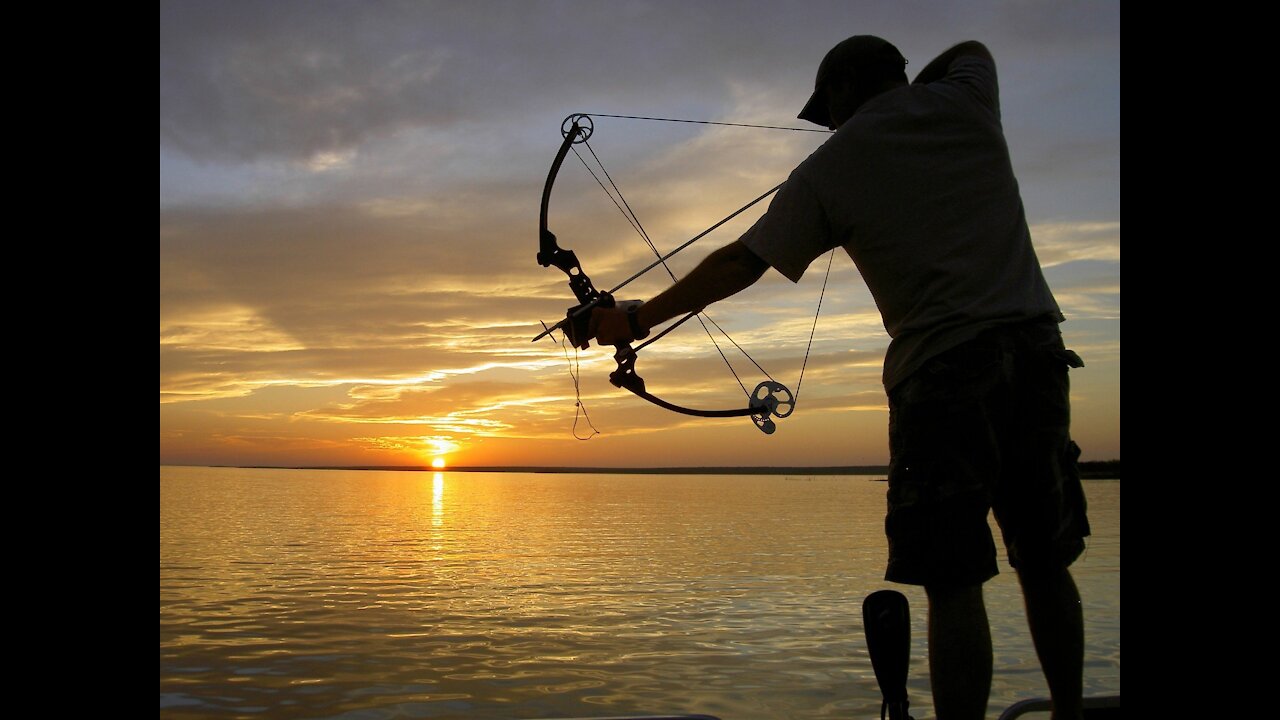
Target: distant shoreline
1094,470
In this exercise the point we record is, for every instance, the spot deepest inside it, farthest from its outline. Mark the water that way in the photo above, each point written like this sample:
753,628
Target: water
363,595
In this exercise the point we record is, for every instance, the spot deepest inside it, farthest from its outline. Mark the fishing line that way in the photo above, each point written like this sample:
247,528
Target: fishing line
708,122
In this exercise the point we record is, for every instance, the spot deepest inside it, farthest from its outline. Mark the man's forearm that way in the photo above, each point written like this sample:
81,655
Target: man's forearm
725,272
937,69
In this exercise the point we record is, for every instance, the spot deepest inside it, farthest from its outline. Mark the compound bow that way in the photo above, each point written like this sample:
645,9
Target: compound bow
770,398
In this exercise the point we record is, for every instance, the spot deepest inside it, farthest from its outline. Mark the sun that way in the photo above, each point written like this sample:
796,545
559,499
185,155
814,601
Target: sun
437,463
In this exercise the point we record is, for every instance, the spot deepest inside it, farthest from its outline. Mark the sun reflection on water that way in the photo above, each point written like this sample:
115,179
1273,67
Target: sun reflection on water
437,500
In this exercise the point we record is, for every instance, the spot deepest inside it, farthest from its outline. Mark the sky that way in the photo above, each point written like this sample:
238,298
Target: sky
349,195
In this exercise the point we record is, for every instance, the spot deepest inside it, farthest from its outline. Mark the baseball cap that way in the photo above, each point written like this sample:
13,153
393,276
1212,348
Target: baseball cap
857,52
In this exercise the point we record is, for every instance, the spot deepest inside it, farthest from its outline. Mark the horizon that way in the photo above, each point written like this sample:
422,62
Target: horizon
1086,466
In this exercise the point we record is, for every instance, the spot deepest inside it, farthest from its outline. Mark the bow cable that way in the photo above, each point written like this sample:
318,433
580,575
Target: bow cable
830,257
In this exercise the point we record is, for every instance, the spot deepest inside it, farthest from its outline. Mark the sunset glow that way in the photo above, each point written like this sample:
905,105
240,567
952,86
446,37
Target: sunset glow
347,240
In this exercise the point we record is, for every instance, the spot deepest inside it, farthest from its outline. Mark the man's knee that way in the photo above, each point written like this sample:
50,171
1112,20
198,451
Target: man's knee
957,596
1048,587
942,591
1044,577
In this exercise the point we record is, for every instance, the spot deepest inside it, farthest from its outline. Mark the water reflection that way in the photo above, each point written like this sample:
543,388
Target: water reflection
331,595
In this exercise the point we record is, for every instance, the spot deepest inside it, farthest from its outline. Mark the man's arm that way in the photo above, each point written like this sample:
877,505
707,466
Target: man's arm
937,69
727,271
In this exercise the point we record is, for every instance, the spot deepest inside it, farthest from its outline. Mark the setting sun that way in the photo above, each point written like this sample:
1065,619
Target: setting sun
437,463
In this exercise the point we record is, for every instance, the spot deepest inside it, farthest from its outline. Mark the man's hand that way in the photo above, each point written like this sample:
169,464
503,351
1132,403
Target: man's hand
609,326
724,272
938,67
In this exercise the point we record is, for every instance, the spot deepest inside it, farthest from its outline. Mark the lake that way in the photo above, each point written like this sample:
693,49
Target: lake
363,595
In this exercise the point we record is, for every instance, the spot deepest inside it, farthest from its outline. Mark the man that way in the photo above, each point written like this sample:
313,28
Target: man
916,184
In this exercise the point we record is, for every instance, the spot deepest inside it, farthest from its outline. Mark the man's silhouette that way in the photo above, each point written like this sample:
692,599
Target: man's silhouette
917,186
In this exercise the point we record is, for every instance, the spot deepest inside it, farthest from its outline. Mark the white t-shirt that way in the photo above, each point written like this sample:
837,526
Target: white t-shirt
918,188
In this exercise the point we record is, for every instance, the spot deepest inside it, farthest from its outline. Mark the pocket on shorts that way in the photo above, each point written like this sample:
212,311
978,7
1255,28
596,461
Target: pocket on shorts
958,375
1073,493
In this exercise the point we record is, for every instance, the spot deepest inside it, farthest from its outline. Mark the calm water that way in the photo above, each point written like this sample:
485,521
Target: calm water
362,595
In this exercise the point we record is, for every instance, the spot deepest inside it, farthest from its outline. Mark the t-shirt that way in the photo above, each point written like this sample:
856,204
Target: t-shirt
918,188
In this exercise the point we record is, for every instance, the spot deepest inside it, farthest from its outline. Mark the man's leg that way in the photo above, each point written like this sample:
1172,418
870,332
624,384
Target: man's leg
1042,512
943,462
959,652
1057,629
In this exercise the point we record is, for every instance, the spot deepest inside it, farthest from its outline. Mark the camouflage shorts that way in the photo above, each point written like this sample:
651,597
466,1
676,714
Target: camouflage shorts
984,426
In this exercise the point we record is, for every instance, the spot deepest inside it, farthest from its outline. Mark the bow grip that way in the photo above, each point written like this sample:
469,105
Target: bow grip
579,318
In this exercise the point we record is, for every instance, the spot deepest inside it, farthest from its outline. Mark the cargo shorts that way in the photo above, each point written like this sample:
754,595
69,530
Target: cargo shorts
984,427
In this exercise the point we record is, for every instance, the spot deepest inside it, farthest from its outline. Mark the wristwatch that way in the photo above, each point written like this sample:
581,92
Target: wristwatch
633,320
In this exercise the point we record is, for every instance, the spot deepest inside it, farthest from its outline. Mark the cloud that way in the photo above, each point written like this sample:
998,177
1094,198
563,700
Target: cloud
243,80
225,328
290,78
303,80
434,445
1064,242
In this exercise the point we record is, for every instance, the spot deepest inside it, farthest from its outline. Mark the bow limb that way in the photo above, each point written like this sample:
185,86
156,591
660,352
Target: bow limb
626,377
549,250
765,401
